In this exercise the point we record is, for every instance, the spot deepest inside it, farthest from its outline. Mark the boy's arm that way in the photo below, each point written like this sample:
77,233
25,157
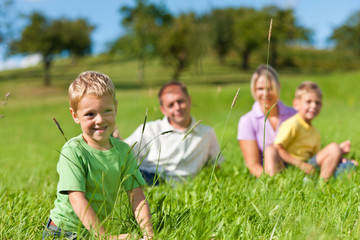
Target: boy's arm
304,166
87,215
345,147
85,212
141,210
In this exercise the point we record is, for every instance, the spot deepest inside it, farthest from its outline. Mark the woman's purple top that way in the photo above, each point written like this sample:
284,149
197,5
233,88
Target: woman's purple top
251,125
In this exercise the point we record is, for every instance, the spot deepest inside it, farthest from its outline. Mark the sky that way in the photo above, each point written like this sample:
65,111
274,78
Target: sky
322,16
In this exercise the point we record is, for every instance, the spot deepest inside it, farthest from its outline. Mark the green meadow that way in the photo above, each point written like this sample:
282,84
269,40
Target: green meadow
229,204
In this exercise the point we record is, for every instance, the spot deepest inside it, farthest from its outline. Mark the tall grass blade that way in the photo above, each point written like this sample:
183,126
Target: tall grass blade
221,140
267,114
191,129
257,210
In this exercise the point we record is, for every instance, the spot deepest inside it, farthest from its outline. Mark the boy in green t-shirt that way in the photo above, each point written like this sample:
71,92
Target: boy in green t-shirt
298,142
94,166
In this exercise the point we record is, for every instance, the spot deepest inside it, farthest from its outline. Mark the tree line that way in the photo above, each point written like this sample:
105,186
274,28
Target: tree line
182,40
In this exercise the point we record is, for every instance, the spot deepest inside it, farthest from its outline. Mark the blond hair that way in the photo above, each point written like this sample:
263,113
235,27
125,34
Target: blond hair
307,87
90,83
272,76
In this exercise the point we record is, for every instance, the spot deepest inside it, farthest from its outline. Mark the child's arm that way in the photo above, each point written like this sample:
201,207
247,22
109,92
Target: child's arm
85,212
141,210
345,147
304,166
87,215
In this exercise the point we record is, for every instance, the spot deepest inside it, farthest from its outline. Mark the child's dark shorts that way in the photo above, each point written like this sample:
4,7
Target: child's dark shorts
54,232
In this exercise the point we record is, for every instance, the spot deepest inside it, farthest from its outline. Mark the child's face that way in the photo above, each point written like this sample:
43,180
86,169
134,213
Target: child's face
96,117
308,106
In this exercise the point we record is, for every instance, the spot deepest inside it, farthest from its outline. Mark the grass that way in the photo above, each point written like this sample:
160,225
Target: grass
237,205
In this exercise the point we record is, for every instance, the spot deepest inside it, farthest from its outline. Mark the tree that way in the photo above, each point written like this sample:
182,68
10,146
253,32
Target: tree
143,23
222,31
285,30
50,37
250,30
5,23
183,42
347,36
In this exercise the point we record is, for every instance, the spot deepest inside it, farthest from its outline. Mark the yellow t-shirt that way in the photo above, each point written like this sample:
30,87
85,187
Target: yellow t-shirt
298,138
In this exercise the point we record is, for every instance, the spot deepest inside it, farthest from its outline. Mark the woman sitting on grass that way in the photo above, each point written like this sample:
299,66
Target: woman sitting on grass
251,125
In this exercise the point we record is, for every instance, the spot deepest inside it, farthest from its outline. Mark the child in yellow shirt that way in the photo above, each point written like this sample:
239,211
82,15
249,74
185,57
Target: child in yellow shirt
298,142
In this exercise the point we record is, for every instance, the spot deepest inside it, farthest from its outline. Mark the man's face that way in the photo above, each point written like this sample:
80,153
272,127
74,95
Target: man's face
176,107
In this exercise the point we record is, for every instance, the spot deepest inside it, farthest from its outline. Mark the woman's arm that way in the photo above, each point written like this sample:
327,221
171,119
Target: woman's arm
251,155
141,211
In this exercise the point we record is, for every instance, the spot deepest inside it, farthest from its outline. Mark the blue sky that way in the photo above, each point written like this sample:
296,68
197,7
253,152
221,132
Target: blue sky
320,15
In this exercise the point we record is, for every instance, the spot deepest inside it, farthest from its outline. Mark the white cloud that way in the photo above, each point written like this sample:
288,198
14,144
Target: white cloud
20,62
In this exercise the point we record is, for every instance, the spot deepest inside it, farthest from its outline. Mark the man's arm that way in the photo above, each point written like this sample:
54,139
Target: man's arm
87,215
141,210
304,166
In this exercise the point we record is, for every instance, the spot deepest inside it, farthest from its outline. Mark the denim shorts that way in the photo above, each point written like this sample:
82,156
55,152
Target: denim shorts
313,162
54,232
341,168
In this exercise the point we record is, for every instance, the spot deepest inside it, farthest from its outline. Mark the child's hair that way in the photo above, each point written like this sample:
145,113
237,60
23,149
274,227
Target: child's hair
90,83
307,87
170,84
270,72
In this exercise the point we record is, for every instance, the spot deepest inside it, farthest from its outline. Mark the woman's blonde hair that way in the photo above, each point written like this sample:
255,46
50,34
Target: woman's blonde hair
90,83
272,76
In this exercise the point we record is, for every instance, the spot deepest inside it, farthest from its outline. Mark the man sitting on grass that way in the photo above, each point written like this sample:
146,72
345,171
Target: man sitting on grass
298,142
177,154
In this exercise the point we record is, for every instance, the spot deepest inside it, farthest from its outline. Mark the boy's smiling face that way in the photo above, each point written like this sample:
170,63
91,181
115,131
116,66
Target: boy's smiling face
308,105
96,116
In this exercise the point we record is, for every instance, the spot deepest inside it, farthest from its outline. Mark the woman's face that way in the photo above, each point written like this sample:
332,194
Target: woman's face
271,96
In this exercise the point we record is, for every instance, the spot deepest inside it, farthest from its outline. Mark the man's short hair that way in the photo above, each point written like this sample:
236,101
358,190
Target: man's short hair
90,83
307,87
170,84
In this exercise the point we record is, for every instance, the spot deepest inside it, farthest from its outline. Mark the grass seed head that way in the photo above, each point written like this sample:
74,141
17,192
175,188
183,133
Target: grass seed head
235,98
269,37
5,98
59,127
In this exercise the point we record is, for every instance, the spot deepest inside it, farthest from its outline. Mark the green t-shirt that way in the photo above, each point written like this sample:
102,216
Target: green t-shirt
99,174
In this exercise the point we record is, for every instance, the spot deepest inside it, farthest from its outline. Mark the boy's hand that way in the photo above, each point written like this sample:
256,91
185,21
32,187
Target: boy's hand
345,146
307,168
